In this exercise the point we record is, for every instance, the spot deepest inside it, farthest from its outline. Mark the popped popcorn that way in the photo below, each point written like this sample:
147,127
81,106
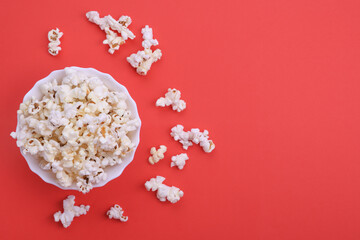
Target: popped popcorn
116,212
77,129
179,160
157,155
164,192
180,135
142,60
70,211
194,136
54,36
109,25
172,97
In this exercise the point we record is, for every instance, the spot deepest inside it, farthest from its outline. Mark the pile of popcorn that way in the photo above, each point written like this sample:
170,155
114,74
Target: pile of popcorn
77,129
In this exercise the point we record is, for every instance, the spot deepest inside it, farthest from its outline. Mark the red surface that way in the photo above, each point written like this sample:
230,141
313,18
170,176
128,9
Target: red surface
276,83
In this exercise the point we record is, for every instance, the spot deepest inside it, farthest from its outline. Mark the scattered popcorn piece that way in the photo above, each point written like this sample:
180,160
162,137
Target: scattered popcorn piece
202,138
116,212
113,40
70,211
172,97
54,36
172,194
179,160
194,136
157,155
142,60
180,135
109,25
13,135
77,129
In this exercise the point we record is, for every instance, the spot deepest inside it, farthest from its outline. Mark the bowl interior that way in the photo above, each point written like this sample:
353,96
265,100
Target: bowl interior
112,172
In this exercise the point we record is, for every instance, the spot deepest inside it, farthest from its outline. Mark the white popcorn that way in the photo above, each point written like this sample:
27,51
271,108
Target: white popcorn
113,40
70,211
77,129
32,146
71,109
172,97
116,212
164,192
202,138
148,38
64,178
109,25
13,135
157,155
142,60
179,160
194,136
56,118
54,36
180,135
55,166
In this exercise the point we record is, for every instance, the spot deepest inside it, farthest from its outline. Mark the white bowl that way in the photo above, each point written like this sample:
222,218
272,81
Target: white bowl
112,172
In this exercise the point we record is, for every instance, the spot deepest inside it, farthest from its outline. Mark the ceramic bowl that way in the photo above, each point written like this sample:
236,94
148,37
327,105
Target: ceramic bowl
112,172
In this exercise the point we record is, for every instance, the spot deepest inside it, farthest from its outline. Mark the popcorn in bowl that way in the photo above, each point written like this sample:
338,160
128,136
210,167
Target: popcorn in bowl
78,129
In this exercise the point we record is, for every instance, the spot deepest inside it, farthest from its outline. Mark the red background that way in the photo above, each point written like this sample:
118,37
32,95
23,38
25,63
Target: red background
275,82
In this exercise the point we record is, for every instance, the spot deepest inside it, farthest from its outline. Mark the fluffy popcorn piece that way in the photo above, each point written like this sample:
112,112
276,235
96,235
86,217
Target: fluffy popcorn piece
77,129
148,38
179,160
54,36
110,25
172,97
113,40
194,136
142,60
157,155
120,26
116,212
202,138
180,135
13,135
70,211
164,192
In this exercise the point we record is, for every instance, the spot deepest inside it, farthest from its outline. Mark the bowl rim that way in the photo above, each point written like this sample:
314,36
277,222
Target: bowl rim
121,166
